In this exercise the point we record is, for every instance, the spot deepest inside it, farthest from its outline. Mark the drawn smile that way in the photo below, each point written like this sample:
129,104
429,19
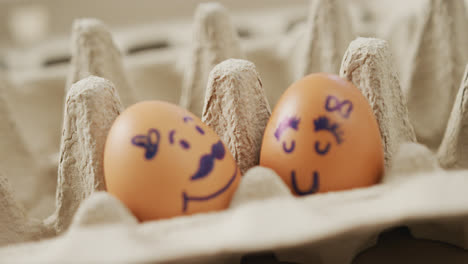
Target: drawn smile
206,166
186,198
314,187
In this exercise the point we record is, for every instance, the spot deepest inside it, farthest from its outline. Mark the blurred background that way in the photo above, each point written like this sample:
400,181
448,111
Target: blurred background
28,24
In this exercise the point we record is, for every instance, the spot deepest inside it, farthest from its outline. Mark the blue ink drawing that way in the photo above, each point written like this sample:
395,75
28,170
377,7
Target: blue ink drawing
289,122
149,142
324,123
312,189
186,198
184,144
321,151
207,161
200,130
344,107
291,148
171,136
187,118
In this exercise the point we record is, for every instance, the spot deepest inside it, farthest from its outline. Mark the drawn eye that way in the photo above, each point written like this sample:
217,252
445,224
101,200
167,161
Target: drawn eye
184,144
171,136
290,148
200,130
320,150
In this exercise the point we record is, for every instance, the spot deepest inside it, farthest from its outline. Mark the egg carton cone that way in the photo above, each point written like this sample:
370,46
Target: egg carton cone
54,207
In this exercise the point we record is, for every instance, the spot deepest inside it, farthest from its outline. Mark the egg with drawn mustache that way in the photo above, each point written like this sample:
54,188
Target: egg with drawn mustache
323,136
161,161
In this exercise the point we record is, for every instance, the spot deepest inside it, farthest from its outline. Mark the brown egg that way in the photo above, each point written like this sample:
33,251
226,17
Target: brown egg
322,136
162,161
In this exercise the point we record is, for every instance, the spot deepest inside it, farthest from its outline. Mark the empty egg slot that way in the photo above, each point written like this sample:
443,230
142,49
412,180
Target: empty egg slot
54,61
162,44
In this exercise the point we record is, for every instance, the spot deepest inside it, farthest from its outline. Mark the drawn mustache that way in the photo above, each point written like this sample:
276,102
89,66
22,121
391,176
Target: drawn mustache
207,161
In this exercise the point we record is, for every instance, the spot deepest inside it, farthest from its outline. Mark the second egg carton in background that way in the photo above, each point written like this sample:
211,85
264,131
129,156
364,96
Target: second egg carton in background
424,185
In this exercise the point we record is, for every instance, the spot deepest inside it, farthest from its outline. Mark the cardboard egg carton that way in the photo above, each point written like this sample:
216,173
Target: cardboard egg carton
418,98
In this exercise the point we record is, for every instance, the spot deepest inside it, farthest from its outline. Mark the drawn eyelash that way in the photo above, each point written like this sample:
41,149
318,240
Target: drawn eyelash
323,123
290,122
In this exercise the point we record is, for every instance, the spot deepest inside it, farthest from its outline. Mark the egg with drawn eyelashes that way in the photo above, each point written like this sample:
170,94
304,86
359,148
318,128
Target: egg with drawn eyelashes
161,161
323,136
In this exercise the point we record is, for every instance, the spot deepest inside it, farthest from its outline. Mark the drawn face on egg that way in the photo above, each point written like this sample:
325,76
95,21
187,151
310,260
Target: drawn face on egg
322,136
320,124
150,144
174,164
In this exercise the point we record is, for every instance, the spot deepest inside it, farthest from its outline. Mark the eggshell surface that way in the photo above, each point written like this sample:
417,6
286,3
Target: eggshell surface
322,136
161,161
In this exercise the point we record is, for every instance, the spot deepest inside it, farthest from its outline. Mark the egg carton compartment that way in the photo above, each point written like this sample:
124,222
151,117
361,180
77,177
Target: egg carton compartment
417,95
